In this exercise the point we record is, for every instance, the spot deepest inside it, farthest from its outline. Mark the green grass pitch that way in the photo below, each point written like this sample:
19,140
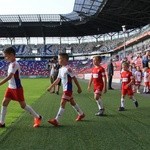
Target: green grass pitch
126,130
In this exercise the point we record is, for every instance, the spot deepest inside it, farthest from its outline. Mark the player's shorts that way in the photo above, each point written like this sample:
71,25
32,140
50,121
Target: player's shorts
146,83
15,94
98,90
137,83
67,95
126,91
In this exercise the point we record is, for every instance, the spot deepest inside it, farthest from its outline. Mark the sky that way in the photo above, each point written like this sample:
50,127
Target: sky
36,6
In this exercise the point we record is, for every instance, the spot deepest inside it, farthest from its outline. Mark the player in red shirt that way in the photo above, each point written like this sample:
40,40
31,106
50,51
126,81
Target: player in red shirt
127,80
98,77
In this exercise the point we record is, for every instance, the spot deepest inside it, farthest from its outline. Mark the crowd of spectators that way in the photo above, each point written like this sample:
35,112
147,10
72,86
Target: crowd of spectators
28,68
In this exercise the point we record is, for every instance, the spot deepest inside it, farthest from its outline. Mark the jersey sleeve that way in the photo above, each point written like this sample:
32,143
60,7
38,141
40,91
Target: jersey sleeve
70,72
103,72
13,68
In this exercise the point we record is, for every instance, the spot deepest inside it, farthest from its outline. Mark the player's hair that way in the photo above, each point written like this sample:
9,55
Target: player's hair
125,64
9,50
64,55
98,57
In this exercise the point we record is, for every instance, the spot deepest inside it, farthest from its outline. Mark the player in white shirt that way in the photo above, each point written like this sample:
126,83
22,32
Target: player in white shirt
15,89
66,76
138,78
146,80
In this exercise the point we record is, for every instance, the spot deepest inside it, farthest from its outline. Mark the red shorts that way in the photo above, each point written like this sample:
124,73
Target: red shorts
98,89
15,94
67,95
146,83
126,91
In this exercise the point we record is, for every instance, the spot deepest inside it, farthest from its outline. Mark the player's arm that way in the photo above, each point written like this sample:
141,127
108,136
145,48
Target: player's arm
90,83
77,84
6,79
105,83
131,82
104,80
53,84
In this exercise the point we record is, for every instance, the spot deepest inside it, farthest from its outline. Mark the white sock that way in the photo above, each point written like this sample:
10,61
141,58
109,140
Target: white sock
31,111
78,110
133,99
122,102
60,113
147,89
3,114
144,90
99,104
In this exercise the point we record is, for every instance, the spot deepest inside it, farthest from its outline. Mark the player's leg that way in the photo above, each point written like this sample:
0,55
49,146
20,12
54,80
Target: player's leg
5,103
131,96
97,97
77,108
134,100
29,109
147,89
122,102
37,117
138,88
61,109
124,92
60,112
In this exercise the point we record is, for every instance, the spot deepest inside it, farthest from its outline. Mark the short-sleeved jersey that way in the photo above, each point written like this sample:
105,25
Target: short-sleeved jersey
138,76
133,71
126,77
146,76
14,82
66,74
97,76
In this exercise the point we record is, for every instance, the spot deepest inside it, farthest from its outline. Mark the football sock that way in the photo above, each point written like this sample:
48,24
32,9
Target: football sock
133,99
147,89
3,114
122,102
78,110
144,90
99,104
60,113
31,111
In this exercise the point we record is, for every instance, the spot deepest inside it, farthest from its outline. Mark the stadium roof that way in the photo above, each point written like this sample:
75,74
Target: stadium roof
89,17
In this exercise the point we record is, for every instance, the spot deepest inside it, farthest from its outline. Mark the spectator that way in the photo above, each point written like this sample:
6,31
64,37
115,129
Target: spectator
56,70
110,73
146,59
